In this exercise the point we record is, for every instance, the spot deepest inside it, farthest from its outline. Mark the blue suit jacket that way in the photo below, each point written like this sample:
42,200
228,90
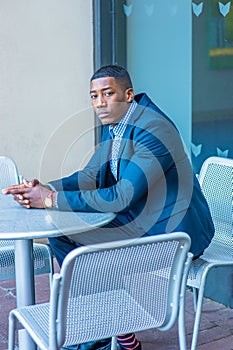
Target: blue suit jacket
156,188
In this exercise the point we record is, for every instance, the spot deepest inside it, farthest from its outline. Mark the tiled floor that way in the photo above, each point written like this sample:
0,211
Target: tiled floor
216,331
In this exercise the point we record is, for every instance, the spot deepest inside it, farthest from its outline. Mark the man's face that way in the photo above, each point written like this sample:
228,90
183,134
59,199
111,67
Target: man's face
110,100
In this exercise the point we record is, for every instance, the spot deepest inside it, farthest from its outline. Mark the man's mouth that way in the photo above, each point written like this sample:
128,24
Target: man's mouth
102,114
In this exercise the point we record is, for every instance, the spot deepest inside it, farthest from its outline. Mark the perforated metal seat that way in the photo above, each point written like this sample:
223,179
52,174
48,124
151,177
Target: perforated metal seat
216,179
110,289
43,261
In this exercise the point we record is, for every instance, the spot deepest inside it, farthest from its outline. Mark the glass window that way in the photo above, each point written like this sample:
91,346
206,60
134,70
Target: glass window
181,53
159,56
212,81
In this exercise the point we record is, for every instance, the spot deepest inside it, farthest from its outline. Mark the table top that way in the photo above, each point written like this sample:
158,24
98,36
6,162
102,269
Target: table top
16,222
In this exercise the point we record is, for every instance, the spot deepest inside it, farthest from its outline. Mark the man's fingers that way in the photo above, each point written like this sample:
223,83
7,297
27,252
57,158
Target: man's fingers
18,188
18,197
22,200
31,183
9,189
27,183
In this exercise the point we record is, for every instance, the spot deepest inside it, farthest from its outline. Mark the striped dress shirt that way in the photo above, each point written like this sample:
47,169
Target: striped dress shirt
116,132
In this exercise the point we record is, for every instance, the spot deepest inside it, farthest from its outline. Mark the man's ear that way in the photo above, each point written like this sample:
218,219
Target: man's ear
129,95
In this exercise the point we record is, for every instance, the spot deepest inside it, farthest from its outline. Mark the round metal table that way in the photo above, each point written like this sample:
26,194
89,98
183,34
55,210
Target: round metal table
24,225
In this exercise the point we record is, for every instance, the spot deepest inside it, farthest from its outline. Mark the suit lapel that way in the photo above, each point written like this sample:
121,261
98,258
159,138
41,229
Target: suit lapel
104,157
128,131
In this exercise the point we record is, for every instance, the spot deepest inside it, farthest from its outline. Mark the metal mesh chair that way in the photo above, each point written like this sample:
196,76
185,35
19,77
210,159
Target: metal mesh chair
43,261
216,179
109,289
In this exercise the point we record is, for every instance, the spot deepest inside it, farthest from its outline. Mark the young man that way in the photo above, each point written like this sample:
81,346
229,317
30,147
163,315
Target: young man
140,171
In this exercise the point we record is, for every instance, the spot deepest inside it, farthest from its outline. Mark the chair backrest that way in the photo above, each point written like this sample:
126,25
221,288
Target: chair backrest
119,287
8,172
216,179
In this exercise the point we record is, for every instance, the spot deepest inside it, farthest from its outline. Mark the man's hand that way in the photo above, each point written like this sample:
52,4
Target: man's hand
30,194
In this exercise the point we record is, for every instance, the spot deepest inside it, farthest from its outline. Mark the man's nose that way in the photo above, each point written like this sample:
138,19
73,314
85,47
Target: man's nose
100,101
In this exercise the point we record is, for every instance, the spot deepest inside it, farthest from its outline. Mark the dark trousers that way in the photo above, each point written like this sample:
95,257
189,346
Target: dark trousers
120,228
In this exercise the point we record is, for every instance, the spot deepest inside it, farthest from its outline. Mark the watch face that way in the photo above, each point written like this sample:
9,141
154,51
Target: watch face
48,202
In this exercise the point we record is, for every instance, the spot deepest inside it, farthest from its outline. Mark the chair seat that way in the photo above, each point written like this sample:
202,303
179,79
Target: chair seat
42,260
217,254
91,320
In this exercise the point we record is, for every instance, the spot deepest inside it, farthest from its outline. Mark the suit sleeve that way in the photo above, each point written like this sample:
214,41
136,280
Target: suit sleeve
146,158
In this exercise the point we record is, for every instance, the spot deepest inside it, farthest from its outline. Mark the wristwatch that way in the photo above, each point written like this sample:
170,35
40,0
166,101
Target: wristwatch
48,202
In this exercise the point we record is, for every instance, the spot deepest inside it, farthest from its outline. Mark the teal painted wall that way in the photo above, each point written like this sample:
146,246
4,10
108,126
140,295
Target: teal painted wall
159,56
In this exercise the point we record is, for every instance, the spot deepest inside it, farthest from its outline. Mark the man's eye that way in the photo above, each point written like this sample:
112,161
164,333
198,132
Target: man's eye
108,93
93,97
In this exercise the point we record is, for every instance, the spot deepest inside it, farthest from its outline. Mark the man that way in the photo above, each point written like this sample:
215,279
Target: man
140,171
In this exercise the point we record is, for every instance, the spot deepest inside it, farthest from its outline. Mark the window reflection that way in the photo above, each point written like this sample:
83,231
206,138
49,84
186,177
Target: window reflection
153,32
212,82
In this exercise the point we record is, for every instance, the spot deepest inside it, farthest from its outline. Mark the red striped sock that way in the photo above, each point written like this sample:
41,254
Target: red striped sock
128,341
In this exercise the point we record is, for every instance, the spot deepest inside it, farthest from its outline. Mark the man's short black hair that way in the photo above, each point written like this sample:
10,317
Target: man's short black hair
117,72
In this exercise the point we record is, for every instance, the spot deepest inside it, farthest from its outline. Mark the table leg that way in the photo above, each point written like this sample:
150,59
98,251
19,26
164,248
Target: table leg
25,288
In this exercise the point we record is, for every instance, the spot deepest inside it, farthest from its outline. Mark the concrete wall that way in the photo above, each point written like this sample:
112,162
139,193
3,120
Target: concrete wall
45,67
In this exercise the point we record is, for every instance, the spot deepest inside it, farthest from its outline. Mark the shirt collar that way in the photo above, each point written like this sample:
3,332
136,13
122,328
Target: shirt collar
120,127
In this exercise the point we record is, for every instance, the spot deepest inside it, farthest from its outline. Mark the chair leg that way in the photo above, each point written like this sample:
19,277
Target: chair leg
195,296
114,343
11,339
51,269
181,316
197,319
181,327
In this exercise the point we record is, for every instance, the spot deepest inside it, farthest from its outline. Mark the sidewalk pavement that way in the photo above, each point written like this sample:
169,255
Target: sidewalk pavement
216,331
